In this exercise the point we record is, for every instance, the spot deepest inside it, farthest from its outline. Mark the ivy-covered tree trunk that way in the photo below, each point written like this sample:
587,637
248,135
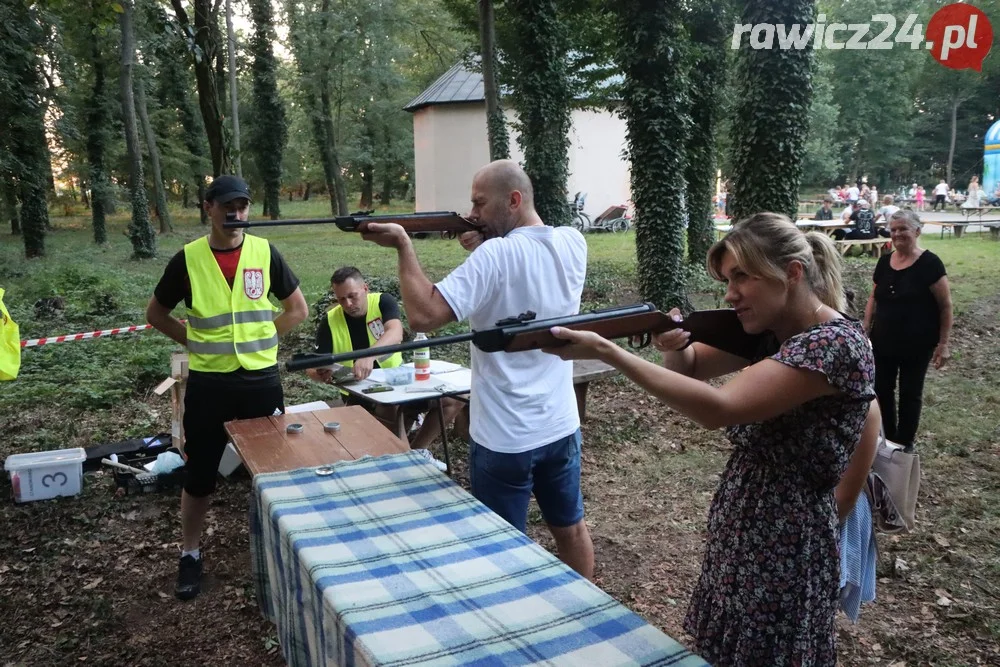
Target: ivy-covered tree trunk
204,48
154,159
268,133
10,202
140,230
98,120
542,98
655,109
772,117
706,74
496,123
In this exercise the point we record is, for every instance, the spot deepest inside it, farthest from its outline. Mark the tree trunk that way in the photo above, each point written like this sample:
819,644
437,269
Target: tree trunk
706,66
201,200
268,133
154,160
772,120
140,230
10,201
386,196
234,107
951,146
654,90
334,176
496,125
367,187
97,128
204,52
542,96
33,183
305,195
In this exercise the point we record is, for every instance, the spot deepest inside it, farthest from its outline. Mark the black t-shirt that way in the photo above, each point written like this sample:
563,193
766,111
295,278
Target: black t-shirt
824,214
175,286
907,319
864,222
357,326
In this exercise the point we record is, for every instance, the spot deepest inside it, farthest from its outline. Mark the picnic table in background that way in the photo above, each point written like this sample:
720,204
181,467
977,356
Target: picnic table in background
447,379
387,561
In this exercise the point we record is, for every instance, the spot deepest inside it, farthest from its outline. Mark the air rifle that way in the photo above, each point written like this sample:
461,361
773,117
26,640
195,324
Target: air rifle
717,328
446,222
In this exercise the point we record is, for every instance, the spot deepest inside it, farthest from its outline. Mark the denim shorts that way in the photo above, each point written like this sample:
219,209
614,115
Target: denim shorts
505,482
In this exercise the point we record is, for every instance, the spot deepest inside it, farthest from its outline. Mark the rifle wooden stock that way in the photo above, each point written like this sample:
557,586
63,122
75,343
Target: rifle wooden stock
447,222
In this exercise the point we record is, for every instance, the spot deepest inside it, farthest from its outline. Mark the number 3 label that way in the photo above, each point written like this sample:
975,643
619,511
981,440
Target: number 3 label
50,480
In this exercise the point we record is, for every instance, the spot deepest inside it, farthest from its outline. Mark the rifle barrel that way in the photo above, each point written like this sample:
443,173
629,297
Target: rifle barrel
314,360
350,222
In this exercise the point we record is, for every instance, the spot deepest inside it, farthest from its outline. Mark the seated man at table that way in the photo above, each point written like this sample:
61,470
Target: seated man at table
364,320
524,425
825,213
863,220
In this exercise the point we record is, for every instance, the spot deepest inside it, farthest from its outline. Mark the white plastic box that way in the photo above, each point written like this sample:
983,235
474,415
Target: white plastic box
41,475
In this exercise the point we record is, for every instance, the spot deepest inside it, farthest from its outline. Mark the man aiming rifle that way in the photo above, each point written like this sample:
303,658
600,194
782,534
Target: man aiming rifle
524,428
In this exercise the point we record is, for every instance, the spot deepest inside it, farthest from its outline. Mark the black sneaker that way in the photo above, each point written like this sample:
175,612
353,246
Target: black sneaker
188,578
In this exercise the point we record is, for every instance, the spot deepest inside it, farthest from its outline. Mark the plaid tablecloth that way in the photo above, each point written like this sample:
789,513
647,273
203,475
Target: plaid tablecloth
389,562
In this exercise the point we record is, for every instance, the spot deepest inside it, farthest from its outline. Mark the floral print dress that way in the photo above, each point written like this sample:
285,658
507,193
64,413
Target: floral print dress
769,581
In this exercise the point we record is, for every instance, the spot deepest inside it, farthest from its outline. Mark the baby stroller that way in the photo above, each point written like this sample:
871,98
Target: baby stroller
614,219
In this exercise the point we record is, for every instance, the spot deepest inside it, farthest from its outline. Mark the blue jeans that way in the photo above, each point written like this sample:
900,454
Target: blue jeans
505,482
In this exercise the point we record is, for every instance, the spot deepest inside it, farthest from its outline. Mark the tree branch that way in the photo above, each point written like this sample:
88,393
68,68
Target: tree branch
179,10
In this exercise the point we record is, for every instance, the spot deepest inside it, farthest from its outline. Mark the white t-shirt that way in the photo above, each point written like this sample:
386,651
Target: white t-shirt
887,211
520,400
940,189
853,193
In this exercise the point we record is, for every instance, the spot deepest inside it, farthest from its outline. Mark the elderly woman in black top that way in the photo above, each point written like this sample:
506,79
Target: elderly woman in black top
909,319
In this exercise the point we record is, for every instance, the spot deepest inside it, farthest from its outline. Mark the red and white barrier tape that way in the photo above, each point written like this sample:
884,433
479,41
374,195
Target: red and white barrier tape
34,342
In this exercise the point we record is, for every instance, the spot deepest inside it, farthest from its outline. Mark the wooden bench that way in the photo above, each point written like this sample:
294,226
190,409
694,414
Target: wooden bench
958,228
994,228
875,245
584,372
978,212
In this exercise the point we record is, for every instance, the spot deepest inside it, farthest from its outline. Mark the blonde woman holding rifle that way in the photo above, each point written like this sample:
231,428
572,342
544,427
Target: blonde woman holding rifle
769,583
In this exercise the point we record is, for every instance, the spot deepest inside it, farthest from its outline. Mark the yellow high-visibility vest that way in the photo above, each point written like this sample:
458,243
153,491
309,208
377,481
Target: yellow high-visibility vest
230,328
10,344
342,337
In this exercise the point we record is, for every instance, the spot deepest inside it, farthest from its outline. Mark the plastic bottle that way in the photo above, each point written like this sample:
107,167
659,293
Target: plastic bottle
422,360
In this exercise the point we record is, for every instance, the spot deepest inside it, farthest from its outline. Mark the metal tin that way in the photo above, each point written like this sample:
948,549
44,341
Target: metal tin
323,471
331,427
294,428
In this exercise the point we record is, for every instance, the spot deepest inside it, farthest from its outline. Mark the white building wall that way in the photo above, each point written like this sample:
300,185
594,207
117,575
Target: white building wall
450,144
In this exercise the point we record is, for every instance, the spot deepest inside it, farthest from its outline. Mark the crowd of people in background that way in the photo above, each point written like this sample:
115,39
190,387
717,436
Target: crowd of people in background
917,197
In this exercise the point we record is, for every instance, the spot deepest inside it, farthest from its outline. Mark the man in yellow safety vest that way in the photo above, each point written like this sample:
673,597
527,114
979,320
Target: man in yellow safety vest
10,344
364,320
231,337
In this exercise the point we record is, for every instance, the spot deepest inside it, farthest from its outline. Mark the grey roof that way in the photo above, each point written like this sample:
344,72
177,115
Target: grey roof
459,85
456,85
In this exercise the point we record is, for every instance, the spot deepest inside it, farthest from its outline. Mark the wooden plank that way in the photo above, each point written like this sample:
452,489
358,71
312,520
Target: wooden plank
264,446
360,433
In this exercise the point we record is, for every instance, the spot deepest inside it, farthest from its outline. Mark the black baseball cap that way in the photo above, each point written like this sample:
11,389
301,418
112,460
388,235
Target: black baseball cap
227,188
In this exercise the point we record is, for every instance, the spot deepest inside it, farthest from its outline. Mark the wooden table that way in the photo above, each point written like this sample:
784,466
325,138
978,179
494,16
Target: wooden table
264,445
